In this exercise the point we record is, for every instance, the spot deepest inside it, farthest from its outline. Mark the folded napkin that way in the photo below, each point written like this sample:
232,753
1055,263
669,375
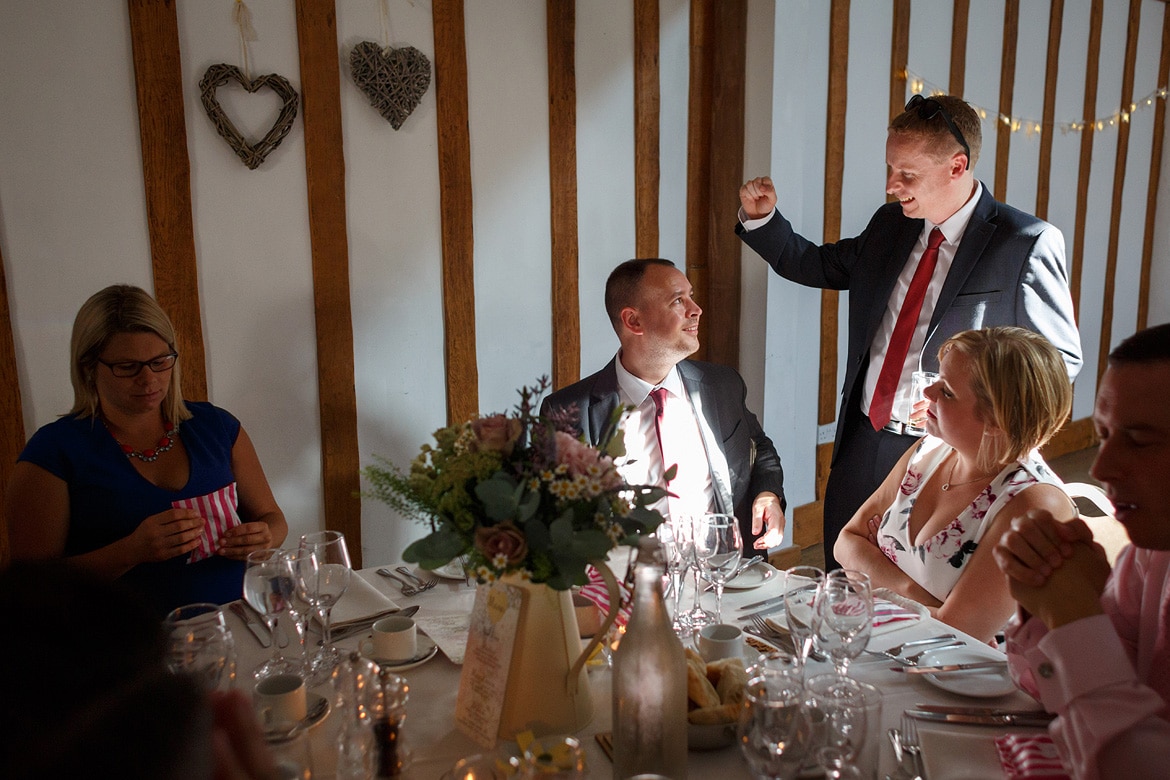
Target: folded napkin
892,611
1026,756
218,511
361,603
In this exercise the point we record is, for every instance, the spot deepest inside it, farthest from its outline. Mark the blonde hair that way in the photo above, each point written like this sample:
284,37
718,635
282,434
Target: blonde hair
119,308
941,143
1021,386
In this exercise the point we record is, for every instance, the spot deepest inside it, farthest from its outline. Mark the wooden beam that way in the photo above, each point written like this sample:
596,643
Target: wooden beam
1119,166
455,210
958,77
1048,121
1088,111
11,412
835,108
325,174
702,56
1143,316
899,56
724,249
166,174
1007,85
562,164
647,111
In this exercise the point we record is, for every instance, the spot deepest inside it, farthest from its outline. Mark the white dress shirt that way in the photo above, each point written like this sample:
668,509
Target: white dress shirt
643,463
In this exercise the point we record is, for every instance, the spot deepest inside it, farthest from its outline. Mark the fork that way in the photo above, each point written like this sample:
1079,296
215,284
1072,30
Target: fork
896,649
765,630
407,588
422,584
910,743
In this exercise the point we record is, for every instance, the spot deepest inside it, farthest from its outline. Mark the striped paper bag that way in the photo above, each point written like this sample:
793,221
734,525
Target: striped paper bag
1029,756
218,510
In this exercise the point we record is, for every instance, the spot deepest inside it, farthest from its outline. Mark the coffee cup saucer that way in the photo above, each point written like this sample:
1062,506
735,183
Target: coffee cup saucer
427,649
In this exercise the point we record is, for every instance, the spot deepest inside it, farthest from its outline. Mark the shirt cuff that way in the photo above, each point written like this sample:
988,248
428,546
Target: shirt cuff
751,224
1076,659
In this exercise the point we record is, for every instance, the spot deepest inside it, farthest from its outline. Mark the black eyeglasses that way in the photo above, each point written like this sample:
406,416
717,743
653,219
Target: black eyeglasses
129,368
929,108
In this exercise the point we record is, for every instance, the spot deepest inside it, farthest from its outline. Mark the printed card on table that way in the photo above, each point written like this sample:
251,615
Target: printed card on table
480,703
218,511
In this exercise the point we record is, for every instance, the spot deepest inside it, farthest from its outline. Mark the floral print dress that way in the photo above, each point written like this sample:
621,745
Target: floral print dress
937,563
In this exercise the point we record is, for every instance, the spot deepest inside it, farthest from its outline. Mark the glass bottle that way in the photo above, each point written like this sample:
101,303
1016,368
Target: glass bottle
649,681
356,683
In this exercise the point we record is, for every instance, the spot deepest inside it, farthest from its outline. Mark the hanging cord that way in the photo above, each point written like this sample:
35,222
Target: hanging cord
242,19
384,12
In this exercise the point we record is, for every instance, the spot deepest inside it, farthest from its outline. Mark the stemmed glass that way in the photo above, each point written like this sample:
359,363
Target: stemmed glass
801,585
718,546
268,586
844,616
674,552
324,576
199,643
775,732
685,526
299,604
850,716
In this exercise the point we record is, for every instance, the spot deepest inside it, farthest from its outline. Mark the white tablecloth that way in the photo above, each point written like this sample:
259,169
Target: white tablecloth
430,733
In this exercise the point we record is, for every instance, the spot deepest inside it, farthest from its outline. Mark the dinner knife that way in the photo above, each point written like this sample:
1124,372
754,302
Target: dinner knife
364,625
953,709
1022,718
950,667
253,624
765,603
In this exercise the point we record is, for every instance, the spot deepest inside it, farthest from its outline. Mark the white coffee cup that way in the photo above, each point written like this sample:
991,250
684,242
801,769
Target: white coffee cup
393,638
281,699
720,640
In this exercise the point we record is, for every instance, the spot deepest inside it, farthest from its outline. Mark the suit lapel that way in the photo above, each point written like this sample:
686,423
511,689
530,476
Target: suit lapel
903,242
711,432
605,395
979,230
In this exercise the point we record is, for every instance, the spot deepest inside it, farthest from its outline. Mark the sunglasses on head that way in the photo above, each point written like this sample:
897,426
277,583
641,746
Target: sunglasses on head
929,108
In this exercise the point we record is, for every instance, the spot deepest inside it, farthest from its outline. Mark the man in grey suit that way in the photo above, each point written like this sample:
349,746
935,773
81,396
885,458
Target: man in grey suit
991,265
725,462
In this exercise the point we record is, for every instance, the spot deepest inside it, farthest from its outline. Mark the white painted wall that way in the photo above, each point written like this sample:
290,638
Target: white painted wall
72,211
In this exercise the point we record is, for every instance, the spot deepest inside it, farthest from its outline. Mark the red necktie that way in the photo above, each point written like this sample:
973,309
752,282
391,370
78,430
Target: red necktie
659,396
881,407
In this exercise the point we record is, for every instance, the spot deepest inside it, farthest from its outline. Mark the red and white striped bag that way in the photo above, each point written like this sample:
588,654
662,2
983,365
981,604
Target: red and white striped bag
1029,756
218,510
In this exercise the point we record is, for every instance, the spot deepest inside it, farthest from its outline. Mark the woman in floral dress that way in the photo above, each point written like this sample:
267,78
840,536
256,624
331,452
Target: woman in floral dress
928,531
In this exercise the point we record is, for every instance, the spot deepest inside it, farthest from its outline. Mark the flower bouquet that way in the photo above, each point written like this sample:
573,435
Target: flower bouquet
515,495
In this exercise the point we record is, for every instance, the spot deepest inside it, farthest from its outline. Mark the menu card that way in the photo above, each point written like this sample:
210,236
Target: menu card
484,679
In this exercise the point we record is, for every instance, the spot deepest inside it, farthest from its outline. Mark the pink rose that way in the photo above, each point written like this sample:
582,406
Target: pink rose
502,545
579,457
497,433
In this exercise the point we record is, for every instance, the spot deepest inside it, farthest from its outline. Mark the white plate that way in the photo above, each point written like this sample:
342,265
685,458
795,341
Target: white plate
452,570
980,683
752,578
427,649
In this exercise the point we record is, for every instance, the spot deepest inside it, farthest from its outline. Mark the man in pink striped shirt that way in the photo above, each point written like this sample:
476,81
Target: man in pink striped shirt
1093,645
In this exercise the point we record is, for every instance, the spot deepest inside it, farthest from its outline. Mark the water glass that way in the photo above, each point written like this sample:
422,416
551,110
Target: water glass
801,585
843,618
774,730
323,577
268,587
848,740
199,643
718,548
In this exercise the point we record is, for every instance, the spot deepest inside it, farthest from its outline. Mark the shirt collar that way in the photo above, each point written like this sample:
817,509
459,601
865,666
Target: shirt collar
955,225
637,390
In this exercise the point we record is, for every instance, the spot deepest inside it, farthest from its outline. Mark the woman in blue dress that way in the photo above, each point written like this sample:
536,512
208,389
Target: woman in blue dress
134,482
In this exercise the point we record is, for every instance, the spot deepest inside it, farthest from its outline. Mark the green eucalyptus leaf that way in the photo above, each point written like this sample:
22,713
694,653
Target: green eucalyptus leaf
498,496
434,550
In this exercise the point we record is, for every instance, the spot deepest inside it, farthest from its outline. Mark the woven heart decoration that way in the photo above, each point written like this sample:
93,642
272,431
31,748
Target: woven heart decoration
251,153
393,79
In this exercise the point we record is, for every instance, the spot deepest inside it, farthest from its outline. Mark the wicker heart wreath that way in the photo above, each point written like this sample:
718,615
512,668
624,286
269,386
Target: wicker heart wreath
393,79
252,154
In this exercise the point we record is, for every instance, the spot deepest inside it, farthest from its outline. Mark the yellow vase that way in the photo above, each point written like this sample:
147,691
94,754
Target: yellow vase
547,690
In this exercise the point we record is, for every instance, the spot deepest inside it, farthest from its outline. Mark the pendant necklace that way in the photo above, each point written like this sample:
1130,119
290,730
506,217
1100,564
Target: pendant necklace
150,455
948,484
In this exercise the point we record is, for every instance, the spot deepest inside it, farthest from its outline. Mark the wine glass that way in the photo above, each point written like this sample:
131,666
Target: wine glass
674,553
719,547
843,616
299,604
774,730
199,643
684,528
325,578
268,586
849,719
801,585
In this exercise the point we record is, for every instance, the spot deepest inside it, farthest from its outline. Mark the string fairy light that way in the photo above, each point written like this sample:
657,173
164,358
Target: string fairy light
1030,127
